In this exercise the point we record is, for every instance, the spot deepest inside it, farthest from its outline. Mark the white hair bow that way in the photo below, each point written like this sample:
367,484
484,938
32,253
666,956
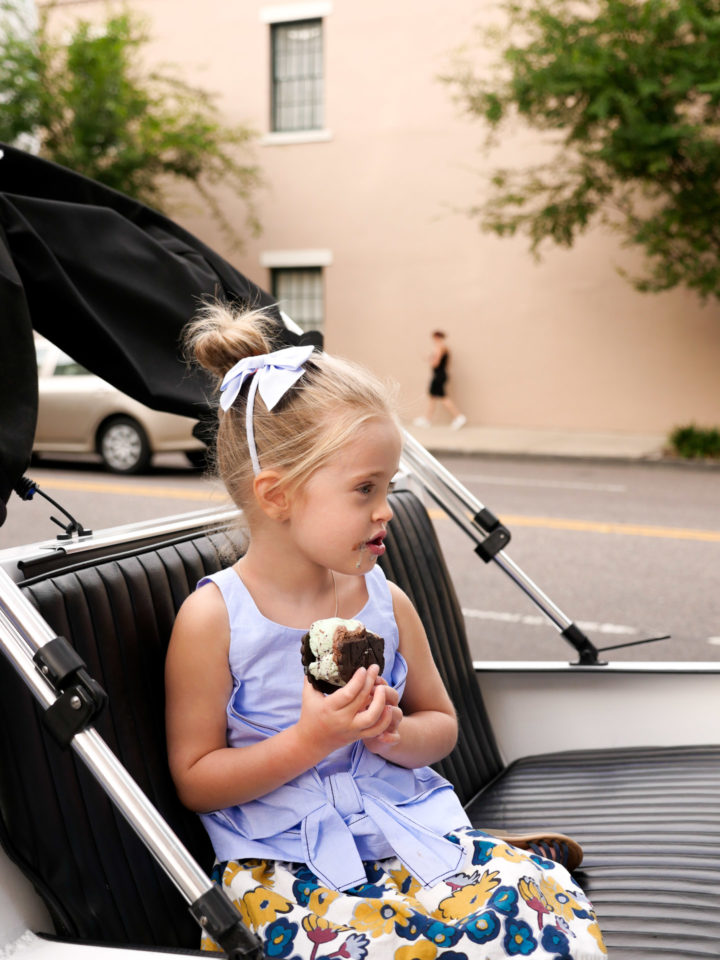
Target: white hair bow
275,373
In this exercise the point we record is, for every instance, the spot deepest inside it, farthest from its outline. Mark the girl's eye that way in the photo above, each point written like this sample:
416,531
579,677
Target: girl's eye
365,489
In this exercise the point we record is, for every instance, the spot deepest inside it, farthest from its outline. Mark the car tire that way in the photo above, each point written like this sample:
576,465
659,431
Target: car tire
124,446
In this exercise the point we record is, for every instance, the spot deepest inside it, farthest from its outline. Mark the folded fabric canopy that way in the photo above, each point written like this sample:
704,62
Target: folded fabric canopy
108,280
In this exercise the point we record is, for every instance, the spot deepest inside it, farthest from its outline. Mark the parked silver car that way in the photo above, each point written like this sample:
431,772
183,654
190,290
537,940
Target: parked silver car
80,413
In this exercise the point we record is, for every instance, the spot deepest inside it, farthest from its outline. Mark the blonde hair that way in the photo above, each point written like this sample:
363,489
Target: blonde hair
311,423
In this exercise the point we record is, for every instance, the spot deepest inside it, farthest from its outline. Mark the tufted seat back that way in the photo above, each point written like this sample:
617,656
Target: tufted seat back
93,872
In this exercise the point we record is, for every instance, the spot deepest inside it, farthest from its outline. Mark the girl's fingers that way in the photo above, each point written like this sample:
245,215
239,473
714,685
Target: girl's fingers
374,714
358,688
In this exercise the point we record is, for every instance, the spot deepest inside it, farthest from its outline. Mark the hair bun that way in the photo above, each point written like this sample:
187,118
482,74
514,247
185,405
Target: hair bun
220,335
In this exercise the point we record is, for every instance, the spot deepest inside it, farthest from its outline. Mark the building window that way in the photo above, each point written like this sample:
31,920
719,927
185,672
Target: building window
297,75
299,292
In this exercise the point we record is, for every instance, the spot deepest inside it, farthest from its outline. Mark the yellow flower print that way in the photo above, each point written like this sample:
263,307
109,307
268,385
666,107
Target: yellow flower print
406,883
469,896
312,922
319,900
506,852
260,906
262,871
208,945
420,950
558,900
594,931
377,917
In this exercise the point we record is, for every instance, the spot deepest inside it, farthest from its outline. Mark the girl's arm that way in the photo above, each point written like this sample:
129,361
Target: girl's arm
425,721
208,774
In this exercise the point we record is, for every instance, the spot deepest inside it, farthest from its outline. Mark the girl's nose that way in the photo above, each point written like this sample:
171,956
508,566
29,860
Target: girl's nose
384,513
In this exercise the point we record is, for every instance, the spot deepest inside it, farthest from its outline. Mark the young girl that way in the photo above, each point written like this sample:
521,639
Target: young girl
333,836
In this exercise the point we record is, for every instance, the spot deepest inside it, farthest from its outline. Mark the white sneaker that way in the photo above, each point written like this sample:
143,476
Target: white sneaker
458,422
421,422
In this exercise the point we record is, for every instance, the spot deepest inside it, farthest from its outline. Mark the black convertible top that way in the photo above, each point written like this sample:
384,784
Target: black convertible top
108,280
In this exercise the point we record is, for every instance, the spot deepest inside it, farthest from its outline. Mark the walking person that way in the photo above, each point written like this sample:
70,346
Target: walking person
437,391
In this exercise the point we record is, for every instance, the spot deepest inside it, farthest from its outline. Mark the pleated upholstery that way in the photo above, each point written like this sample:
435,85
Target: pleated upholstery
95,875
649,822
648,819
415,562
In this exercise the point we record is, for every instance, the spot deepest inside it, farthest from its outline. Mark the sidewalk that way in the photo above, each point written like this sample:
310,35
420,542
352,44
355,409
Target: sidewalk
540,443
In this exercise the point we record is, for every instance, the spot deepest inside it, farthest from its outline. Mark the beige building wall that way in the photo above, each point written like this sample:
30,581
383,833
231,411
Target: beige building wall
566,343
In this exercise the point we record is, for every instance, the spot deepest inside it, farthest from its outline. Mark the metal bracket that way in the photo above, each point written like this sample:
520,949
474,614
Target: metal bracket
498,535
217,915
80,698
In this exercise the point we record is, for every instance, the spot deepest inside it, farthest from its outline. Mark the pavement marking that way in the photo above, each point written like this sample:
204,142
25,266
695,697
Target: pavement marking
715,641
550,484
534,620
517,520
592,526
622,529
135,489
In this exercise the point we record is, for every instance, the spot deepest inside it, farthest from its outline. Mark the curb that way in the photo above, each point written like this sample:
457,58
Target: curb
552,444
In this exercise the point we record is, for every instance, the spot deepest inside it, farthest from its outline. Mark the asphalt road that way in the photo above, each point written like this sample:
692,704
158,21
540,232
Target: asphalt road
627,551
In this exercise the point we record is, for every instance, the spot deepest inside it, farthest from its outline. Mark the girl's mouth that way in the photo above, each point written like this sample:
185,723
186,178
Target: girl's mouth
376,546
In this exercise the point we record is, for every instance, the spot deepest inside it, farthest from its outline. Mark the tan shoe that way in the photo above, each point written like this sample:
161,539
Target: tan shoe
546,843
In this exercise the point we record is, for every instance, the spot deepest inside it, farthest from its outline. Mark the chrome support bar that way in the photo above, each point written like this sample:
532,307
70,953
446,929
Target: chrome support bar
462,507
22,632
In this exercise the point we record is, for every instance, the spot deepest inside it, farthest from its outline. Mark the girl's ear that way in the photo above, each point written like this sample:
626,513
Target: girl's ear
271,494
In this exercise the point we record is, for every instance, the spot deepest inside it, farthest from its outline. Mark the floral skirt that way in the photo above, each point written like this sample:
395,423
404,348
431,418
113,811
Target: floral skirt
504,902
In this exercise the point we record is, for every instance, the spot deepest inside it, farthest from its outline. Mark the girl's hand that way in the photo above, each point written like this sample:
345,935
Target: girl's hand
353,712
390,736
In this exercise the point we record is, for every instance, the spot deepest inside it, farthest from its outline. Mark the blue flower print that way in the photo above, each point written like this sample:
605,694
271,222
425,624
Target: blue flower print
477,833
441,934
555,941
303,872
279,938
505,901
218,871
415,927
370,891
483,928
482,851
542,862
373,871
519,940
303,889
454,955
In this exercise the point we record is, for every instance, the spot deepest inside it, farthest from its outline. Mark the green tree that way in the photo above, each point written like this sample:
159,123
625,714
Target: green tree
627,94
91,106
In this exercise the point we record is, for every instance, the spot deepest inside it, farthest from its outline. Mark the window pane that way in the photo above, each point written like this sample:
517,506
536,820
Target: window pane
297,75
300,295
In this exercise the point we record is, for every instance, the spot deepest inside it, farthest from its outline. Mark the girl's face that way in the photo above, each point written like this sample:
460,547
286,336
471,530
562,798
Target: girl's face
338,519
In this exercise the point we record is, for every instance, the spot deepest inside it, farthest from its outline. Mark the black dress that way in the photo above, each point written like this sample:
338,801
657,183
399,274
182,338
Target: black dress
439,377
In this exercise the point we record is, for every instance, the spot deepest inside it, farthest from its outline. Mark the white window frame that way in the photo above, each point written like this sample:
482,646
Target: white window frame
287,13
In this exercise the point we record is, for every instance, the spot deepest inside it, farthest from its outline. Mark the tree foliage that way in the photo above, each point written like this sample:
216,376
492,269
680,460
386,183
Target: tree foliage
87,100
627,92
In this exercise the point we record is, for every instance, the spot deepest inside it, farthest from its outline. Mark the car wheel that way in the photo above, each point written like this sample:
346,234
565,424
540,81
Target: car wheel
123,446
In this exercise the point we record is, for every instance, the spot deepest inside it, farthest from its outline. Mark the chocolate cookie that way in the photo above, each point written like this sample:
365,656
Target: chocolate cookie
334,649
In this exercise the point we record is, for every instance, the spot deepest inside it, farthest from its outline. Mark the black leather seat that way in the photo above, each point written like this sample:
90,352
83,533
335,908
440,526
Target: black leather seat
649,819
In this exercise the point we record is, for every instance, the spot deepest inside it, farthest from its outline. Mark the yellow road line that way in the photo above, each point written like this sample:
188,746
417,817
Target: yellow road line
135,490
514,520
591,526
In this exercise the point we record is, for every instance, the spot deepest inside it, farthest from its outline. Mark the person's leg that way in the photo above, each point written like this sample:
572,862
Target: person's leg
458,419
426,421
